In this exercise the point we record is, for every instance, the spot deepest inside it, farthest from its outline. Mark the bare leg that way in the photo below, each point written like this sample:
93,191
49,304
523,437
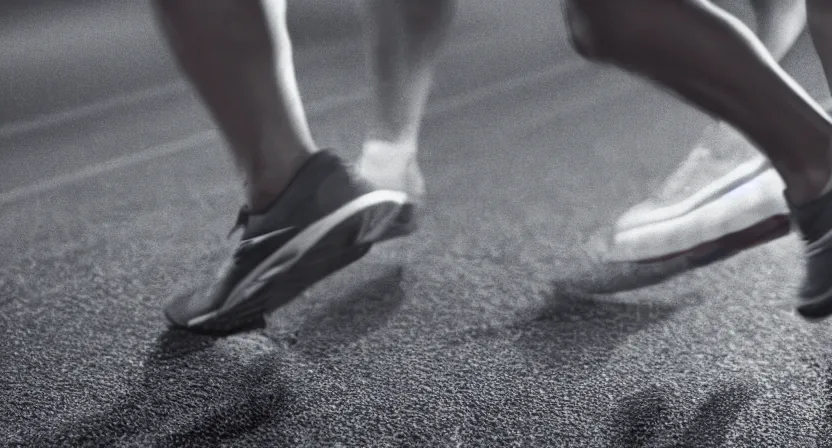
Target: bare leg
711,59
405,42
820,28
300,201
779,24
238,56
722,148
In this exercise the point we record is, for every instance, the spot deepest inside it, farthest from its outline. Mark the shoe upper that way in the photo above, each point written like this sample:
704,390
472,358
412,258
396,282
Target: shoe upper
321,186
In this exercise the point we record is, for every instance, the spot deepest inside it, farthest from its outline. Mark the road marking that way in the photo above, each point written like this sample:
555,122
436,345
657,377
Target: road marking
54,119
146,155
314,108
10,130
479,94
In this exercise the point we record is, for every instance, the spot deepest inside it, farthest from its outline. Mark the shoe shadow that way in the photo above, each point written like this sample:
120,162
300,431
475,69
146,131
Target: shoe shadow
351,317
614,277
572,336
182,400
178,384
640,418
578,329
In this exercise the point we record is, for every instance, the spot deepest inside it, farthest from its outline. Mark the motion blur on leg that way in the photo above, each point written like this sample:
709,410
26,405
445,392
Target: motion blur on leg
723,69
307,215
724,197
406,39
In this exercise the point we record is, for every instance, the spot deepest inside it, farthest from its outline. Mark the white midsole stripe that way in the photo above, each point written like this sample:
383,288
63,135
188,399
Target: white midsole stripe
303,242
737,210
710,193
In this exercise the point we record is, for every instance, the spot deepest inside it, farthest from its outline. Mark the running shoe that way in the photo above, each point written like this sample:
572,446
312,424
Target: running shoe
327,218
741,209
716,204
814,220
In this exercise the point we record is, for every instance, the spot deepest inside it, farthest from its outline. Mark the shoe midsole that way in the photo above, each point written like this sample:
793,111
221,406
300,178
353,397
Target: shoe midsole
298,246
746,173
752,202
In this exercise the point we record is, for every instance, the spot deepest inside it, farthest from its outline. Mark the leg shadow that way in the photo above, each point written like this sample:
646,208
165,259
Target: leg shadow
637,419
715,417
640,418
184,384
350,317
575,328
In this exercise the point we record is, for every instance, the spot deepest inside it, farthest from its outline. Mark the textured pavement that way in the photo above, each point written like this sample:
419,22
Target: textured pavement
471,333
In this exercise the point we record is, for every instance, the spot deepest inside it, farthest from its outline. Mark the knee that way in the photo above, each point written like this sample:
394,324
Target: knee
599,29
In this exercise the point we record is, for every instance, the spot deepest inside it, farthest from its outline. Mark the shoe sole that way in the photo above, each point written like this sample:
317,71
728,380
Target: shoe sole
629,275
817,309
728,245
326,246
737,212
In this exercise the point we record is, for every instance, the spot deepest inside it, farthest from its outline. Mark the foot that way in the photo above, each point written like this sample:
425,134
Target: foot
326,219
707,211
814,220
716,204
394,167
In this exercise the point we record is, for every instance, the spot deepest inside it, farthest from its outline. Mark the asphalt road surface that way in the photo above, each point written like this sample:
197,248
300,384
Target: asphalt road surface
470,333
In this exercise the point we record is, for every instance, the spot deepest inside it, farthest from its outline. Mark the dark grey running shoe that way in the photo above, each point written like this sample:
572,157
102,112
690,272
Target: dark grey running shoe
815,223
326,219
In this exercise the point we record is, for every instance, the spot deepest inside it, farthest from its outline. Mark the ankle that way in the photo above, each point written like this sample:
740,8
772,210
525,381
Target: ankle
809,185
268,181
376,148
260,201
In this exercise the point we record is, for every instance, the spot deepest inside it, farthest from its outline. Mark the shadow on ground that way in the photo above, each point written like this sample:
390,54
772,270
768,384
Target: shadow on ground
350,318
641,418
189,395
577,328
175,385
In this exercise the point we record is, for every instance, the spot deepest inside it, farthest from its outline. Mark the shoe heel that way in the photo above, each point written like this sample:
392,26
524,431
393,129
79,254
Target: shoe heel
376,222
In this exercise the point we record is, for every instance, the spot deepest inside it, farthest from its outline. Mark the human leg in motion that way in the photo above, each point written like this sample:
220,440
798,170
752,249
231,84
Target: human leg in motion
306,215
723,197
405,40
724,70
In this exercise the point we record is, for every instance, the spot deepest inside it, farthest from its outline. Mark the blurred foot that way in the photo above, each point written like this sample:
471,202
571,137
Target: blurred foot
717,203
394,167
723,199
705,212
